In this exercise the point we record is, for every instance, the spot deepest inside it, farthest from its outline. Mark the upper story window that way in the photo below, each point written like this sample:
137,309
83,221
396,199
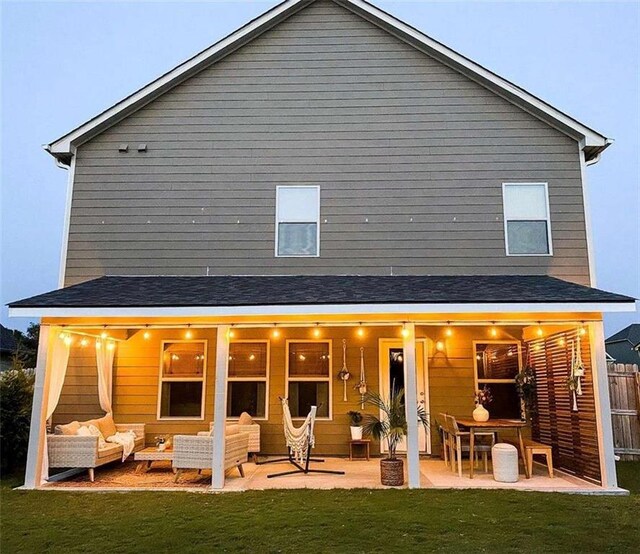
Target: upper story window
527,225
298,221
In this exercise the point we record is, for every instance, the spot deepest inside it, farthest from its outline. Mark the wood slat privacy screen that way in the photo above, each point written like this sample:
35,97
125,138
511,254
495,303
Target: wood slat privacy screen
572,435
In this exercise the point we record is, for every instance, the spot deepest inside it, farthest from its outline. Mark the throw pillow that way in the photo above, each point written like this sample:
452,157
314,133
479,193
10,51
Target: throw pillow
68,429
245,419
92,431
107,426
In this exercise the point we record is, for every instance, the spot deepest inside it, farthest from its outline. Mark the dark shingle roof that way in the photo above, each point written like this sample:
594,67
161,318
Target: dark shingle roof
630,333
170,291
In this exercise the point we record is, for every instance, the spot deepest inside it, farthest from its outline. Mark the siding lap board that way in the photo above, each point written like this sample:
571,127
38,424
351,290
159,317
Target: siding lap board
325,98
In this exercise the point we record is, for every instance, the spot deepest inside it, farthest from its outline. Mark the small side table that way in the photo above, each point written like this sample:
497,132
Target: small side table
361,442
149,455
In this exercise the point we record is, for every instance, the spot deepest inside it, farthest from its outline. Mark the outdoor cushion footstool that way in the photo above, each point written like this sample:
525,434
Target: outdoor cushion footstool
505,462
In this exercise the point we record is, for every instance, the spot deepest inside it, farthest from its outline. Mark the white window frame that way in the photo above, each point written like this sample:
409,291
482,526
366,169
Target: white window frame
264,379
547,219
203,379
278,189
477,382
314,379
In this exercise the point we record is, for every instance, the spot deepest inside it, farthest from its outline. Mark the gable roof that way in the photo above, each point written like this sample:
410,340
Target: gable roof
592,142
630,333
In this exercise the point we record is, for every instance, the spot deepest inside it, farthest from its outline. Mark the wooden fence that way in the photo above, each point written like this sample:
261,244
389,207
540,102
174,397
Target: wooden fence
624,392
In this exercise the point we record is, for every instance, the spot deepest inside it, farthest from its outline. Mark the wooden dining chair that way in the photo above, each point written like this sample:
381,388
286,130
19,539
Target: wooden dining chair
459,441
444,435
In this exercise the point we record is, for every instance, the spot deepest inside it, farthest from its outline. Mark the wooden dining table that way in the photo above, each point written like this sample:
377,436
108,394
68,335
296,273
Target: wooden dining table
494,425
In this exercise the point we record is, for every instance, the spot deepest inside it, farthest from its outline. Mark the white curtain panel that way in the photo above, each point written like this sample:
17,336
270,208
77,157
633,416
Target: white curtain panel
60,350
105,352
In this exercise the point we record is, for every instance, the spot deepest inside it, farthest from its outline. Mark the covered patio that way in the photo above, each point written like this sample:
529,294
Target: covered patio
358,474
186,352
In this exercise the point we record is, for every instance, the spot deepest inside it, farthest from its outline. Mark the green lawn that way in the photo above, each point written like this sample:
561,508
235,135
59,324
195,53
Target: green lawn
321,521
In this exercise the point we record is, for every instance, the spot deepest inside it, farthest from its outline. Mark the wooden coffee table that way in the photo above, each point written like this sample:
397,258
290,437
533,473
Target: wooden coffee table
151,454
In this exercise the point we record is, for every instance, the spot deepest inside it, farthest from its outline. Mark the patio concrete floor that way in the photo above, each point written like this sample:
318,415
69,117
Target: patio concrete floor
358,474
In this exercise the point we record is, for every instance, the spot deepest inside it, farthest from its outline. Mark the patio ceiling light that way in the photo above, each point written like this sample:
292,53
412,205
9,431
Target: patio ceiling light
276,332
188,333
448,331
360,330
316,331
405,331
493,331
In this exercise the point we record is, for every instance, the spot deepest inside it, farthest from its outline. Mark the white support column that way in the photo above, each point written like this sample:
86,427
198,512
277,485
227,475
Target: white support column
220,407
603,405
411,404
33,471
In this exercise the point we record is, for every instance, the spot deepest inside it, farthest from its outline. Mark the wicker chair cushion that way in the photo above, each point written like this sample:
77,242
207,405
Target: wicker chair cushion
245,419
232,430
68,429
92,431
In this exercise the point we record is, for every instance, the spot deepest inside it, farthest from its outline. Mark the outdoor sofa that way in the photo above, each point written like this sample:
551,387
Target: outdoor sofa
66,449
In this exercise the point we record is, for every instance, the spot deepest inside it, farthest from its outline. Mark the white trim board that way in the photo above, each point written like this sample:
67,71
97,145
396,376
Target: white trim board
400,310
62,147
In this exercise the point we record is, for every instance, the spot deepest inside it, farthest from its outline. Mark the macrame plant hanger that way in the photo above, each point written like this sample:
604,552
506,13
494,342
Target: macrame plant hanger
362,385
344,372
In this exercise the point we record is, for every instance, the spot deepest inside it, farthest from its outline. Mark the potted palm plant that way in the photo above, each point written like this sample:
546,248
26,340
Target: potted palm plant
390,427
356,427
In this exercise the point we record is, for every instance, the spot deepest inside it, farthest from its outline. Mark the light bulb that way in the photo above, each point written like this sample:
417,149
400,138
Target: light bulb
188,334
583,331
275,333
252,357
104,334
448,331
316,332
232,333
146,335
494,331
84,342
539,331
405,332
360,331
439,346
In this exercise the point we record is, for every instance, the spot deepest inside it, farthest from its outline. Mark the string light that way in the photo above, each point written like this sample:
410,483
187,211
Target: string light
405,331
539,330
188,333
68,340
448,331
231,333
493,331
104,334
316,331
146,335
276,332
84,342
440,346
582,331
360,331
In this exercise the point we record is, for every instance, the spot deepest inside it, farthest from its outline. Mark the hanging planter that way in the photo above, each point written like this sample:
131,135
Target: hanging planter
361,386
344,374
574,381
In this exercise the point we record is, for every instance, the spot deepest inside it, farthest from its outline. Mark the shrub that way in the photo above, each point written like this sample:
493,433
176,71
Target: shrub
16,396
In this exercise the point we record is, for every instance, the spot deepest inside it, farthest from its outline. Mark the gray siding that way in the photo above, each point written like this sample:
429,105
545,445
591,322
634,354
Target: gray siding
325,98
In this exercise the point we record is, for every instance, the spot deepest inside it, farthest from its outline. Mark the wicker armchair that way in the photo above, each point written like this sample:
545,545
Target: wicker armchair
252,430
74,451
196,452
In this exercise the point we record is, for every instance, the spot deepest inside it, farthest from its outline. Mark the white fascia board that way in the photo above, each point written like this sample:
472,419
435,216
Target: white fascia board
183,71
325,309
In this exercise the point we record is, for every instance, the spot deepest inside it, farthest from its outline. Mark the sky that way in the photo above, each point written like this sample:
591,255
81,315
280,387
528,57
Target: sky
64,62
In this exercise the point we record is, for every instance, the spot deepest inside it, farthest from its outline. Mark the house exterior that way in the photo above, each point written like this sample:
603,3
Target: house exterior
326,173
624,346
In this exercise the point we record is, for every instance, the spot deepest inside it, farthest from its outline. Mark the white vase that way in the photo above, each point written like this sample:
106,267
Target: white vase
356,433
480,413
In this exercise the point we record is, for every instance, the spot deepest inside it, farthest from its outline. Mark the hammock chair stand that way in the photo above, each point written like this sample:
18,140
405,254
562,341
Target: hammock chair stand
301,464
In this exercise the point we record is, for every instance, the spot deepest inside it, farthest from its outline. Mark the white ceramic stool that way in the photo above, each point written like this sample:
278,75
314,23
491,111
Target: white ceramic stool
504,458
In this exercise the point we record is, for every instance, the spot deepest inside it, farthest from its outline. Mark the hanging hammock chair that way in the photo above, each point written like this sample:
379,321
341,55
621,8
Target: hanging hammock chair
299,441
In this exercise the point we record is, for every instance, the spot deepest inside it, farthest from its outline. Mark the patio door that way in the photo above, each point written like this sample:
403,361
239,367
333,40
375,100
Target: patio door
391,357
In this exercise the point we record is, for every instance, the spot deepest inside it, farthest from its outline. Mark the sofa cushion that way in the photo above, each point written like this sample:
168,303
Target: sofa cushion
109,449
107,426
245,419
232,429
68,429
